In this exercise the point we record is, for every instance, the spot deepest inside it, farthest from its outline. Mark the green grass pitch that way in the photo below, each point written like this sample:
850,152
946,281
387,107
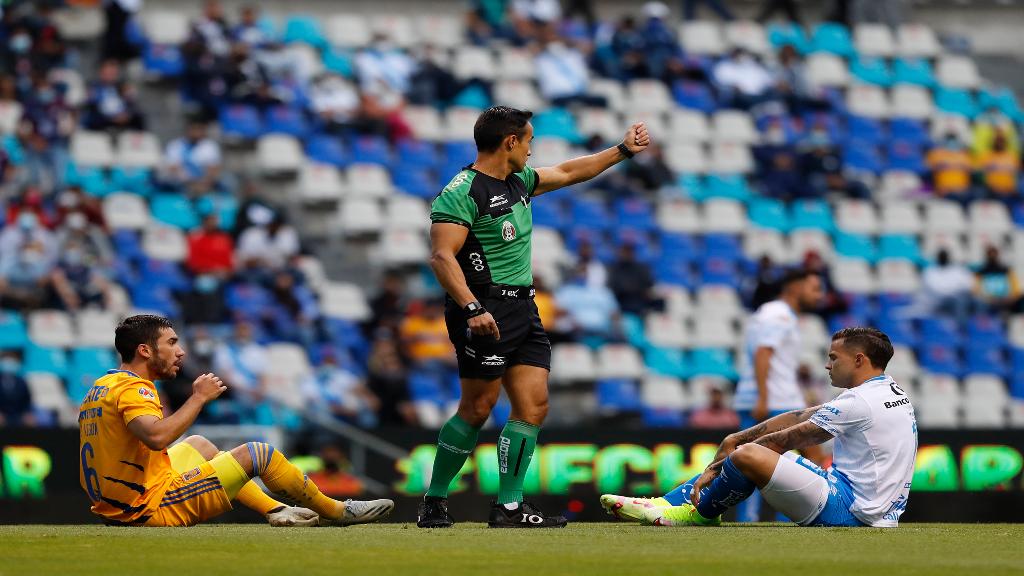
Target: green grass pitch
587,549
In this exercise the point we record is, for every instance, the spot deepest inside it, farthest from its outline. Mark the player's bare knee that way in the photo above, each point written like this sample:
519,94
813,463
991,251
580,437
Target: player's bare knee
744,457
242,456
202,445
476,408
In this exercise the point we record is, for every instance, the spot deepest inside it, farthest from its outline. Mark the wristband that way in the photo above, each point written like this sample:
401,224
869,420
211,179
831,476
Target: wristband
474,309
625,151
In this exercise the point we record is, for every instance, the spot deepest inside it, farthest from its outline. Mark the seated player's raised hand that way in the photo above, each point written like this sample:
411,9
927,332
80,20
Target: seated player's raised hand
637,138
208,387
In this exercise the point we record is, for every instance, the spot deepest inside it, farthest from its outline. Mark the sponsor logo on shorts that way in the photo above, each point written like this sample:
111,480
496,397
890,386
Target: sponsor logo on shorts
190,474
493,361
507,293
508,231
900,402
146,393
499,200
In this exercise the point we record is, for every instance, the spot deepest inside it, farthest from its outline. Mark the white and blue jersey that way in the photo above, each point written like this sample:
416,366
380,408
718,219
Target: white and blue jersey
874,452
774,325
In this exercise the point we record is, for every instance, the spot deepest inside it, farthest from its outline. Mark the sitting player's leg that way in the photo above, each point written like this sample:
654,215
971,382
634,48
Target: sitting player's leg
633,507
455,442
527,388
250,494
284,479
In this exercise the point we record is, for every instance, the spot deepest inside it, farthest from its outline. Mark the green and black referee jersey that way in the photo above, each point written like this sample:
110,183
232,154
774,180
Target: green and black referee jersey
495,260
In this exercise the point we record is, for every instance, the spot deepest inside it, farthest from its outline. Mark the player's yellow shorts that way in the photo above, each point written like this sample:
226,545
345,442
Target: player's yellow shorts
202,490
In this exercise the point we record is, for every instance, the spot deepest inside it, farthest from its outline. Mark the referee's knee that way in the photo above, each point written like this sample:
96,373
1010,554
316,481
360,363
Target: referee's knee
476,410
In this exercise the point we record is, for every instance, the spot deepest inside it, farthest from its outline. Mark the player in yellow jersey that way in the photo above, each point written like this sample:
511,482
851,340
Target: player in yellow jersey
133,478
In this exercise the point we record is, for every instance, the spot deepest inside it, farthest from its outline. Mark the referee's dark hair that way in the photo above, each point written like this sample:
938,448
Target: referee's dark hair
872,342
794,275
138,329
497,122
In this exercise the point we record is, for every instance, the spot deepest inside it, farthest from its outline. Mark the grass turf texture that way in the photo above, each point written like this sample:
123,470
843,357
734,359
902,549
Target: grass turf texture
591,549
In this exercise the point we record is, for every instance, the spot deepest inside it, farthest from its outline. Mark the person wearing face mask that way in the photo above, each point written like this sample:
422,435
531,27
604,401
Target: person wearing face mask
88,239
111,103
951,165
742,80
989,123
27,232
15,396
562,73
996,285
999,168
26,260
79,279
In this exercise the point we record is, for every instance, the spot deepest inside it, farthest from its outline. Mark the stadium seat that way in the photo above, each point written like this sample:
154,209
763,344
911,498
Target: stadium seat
768,213
91,148
956,101
902,247
287,368
874,40
138,149
854,276
856,246
702,38
319,183
949,241
898,276
909,130
731,157
903,366
832,37
360,217
812,214
713,332
904,155
125,211
913,102
347,30
166,27
664,362
403,247
619,361
600,122
10,116
733,126
679,216
95,328
164,243
174,210
48,394
803,241
666,331
50,328
957,72
473,62
279,154
871,71
944,216
944,123
572,363
688,126
719,302
371,181
916,71
712,362
458,124
989,216
862,130
648,96
937,402
782,34
615,396
345,301
13,331
694,95
406,212
664,392
917,41
867,101
758,242
732,186
856,217
304,28
686,158
939,358
724,216
746,34
826,70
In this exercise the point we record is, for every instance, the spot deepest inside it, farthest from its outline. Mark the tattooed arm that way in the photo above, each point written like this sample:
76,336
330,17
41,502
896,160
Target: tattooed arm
766,428
795,437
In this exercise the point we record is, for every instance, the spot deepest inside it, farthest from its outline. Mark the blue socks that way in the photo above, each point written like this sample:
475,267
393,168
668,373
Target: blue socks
681,494
725,491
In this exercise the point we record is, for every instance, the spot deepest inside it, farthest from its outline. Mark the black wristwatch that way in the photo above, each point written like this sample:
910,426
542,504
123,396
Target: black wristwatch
625,151
474,309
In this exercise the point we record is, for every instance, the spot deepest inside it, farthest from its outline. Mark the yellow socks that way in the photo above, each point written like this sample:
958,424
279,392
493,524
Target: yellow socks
283,478
253,497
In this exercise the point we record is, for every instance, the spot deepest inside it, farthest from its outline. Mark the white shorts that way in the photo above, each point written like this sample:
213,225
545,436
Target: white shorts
796,490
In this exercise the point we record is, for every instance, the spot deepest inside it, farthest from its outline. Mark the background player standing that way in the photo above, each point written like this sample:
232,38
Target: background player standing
480,239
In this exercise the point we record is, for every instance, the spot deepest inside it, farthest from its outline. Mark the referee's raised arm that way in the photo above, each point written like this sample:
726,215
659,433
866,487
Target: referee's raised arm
584,168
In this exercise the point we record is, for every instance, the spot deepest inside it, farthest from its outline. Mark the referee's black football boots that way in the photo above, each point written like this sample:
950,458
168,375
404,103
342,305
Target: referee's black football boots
525,515
433,513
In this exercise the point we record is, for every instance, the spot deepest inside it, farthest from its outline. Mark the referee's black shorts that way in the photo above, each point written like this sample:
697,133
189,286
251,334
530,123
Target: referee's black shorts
523,339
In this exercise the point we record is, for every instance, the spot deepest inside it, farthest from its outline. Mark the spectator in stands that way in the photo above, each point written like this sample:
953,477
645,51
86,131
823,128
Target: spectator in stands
627,47
387,380
73,200
339,392
27,258
833,303
779,167
210,250
247,81
889,12
242,363
650,171
296,311
596,273
81,277
999,168
790,81
716,414
946,289
383,69
716,6
742,80
15,396
212,29
951,166
660,43
338,105
996,285
120,26
424,336
388,306
430,83
44,132
30,201
249,32
193,161
111,103
822,167
89,240
770,7
562,73
632,282
985,128
591,312
765,283
48,49
269,243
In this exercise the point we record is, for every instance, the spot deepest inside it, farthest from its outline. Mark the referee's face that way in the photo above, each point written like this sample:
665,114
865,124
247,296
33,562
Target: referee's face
520,149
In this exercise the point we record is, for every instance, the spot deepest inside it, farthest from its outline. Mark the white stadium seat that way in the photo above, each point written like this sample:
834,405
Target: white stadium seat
287,368
944,216
903,366
548,151
397,27
937,402
403,247
854,276
515,64
123,210
664,392
687,126
95,328
91,148
51,328
441,30
809,240
600,122
678,302
731,158
856,217
649,96
733,126
611,90
458,123
619,361
686,158
666,331
917,41
48,393
900,218
911,102
748,35
360,216
949,241
549,248
989,216
166,27
874,40
406,212
719,302
313,271
758,242
825,70
978,243
474,62
898,277
957,72
78,24
279,154
813,331
1016,410
701,37
347,30
572,363
10,115
723,215
712,332
320,183
1015,330
368,181
74,86
138,150
898,185
344,300
867,100
679,216
425,122
943,124
162,242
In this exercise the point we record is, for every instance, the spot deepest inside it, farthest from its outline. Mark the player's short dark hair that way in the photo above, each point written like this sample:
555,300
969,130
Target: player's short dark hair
794,275
497,122
872,342
138,329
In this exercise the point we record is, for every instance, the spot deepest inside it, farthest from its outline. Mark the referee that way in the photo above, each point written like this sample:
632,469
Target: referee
480,252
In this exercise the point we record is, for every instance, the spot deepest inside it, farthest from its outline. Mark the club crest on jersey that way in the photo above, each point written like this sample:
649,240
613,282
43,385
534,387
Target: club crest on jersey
190,474
146,393
508,231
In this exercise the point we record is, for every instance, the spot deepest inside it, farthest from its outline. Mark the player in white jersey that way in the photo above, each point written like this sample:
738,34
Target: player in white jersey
768,383
875,434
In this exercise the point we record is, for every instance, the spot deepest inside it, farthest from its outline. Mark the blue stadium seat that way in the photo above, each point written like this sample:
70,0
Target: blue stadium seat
850,319
163,61
459,152
733,186
417,154
718,270
166,273
13,332
1002,98
856,246
956,101
909,130
126,244
860,156
939,358
792,34
861,129
904,155
174,210
678,246
693,186
137,180
327,149
94,180
240,121
694,95
473,96
371,150
872,71
813,214
303,28
832,37
248,300
901,332
941,330
591,213
549,214
913,71
1017,384
556,123
723,245
224,205
890,304
987,330
339,61
91,363
156,298
426,387
712,362
829,121
643,248
287,120
42,359
617,396
899,247
636,214
987,360
419,182
666,362
674,271
633,330
768,213
654,417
